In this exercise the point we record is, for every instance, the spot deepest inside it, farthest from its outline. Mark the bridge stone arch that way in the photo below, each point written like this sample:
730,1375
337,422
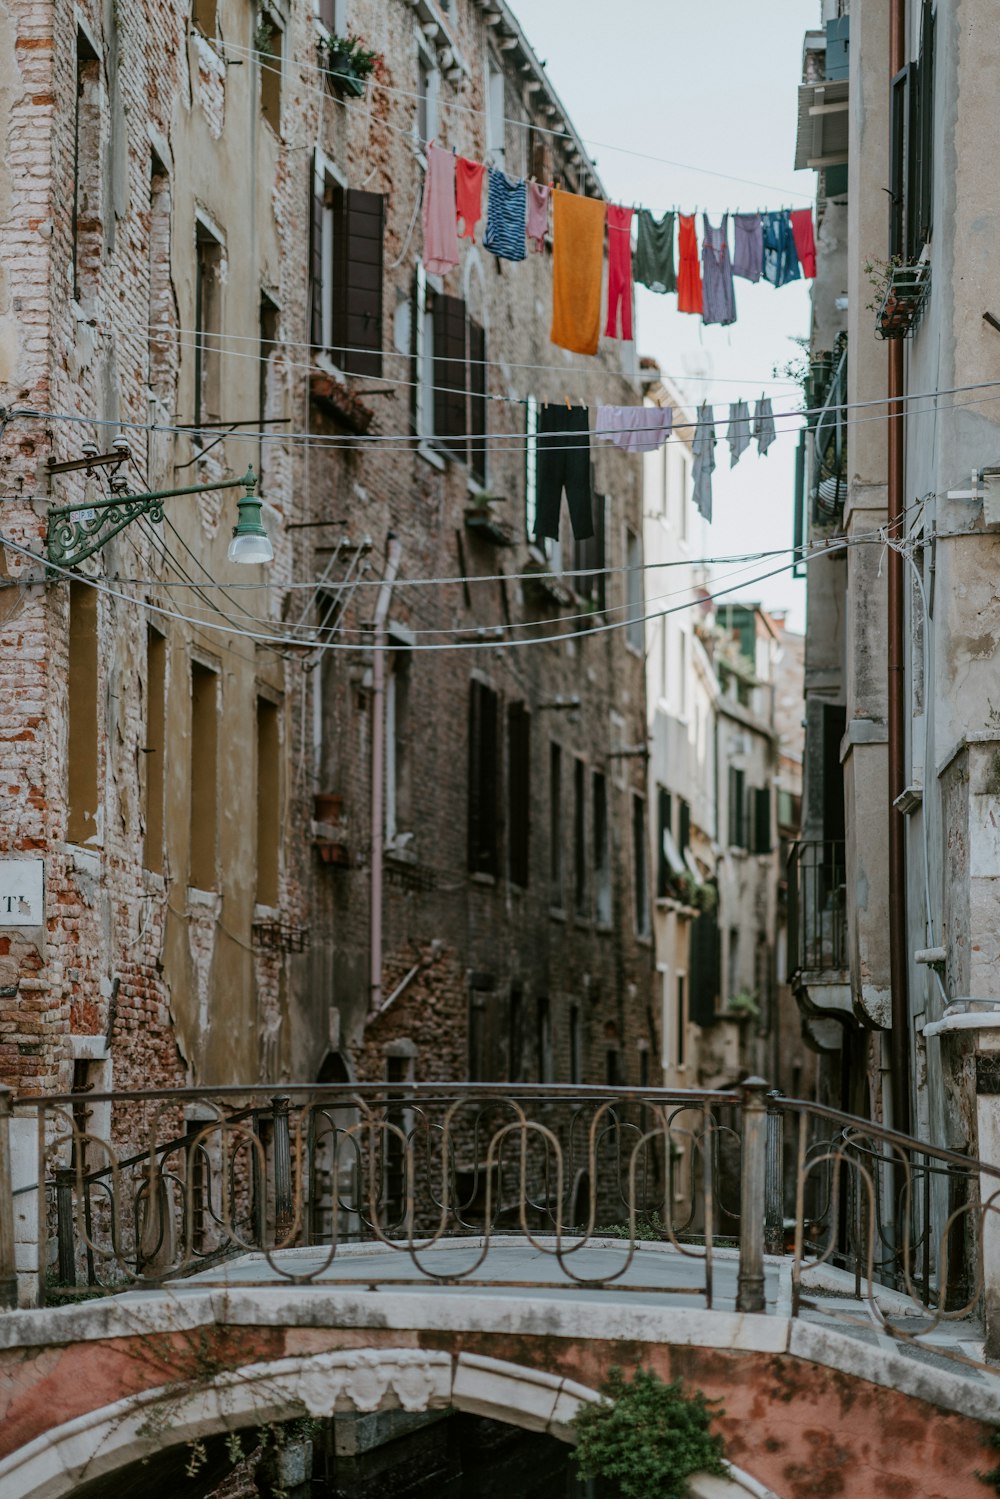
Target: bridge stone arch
365,1380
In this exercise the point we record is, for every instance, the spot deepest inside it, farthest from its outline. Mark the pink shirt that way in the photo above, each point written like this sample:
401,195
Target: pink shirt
440,229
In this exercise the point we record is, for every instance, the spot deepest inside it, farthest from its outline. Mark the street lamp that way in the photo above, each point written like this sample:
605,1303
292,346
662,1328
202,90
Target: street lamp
75,532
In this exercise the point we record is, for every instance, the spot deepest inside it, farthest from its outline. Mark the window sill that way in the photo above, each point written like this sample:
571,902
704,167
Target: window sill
635,650
644,939
430,455
210,900
479,878
604,928
557,913
86,857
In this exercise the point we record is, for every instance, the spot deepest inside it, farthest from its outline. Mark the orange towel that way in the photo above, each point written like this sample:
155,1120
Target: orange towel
577,263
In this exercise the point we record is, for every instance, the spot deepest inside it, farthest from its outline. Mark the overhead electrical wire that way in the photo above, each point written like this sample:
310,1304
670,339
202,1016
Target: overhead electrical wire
493,644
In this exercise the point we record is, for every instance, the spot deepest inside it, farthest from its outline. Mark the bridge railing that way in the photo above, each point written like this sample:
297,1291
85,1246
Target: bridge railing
139,1189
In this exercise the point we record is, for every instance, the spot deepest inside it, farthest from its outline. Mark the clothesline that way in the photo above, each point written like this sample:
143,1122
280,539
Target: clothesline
777,246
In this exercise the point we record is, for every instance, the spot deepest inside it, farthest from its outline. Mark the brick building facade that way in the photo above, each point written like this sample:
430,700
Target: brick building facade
221,241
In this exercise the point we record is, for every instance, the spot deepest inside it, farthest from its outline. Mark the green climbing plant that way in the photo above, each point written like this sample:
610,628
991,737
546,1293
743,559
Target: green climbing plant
646,1436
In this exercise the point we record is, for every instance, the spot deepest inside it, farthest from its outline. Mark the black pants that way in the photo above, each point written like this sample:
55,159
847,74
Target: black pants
564,463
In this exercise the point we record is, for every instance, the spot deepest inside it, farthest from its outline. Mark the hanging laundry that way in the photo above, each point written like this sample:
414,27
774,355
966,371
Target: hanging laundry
781,261
440,228
469,195
688,271
538,214
654,252
718,297
748,246
805,243
577,264
635,429
619,271
563,447
505,213
703,452
738,432
763,424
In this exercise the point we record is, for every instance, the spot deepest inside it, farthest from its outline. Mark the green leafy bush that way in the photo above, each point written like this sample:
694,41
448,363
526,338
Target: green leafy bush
647,1437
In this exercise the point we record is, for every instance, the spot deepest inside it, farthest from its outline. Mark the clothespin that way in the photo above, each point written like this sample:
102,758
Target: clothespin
568,406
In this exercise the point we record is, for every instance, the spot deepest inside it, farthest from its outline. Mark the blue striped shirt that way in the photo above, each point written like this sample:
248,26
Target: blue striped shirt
505,216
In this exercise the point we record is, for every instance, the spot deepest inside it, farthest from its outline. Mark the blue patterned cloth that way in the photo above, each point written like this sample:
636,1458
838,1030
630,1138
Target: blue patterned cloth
781,259
505,216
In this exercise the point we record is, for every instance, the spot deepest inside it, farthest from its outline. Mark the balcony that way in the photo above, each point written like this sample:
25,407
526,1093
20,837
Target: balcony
817,928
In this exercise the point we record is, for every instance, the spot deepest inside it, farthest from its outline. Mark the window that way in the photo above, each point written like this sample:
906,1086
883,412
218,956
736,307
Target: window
664,814
579,838
543,1039
685,674
555,826
87,228
397,722
480,1070
203,773
161,349
733,962
495,124
153,750
683,825
518,793
345,272
602,851
912,148
761,811
612,1067
82,690
589,561
428,89
704,967
268,801
483,778
332,16
268,334
737,808
270,64
423,349
639,866
530,467
634,631
208,325
681,1019
515,1034
459,380
575,1046
204,15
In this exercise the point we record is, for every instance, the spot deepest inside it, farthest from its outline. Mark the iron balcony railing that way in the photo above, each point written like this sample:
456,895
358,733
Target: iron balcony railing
817,906
438,1181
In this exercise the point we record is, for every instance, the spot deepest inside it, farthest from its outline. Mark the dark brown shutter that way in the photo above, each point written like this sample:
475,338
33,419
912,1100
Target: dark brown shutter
450,420
663,871
705,968
762,820
357,276
478,405
518,792
483,786
315,258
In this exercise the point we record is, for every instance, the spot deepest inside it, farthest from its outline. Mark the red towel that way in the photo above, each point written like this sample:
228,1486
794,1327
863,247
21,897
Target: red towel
805,244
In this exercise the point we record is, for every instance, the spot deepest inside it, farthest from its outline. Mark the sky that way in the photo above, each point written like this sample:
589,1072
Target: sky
712,85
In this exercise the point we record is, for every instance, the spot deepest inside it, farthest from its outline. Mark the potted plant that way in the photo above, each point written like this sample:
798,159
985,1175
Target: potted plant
263,37
743,1004
348,62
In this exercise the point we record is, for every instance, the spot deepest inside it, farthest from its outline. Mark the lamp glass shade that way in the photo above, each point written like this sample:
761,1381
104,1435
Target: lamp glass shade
250,546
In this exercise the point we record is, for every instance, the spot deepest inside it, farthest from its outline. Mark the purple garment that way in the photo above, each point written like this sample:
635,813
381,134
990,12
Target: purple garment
748,246
718,297
636,429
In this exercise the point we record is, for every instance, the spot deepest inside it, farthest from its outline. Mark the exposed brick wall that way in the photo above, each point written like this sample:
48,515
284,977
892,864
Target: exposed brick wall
180,988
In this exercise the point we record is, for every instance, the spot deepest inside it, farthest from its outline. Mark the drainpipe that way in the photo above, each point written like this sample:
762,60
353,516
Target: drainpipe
378,769
899,1041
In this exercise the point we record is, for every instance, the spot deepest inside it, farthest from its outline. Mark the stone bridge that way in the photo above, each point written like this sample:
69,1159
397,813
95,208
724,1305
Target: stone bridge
808,1408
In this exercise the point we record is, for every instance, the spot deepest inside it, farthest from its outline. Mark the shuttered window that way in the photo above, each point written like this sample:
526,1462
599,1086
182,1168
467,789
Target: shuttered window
483,779
762,820
912,148
589,559
737,809
345,274
459,380
477,402
663,821
705,965
518,793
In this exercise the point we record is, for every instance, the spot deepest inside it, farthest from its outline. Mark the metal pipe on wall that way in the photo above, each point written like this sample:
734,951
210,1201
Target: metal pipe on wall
898,947
378,770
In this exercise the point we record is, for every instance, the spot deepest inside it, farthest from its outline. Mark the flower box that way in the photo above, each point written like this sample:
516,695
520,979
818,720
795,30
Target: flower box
902,302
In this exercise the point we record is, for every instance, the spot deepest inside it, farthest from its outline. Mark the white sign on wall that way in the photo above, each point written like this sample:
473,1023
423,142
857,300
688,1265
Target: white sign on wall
22,884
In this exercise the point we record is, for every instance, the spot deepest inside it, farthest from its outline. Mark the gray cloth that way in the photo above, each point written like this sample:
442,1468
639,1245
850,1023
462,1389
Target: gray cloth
636,429
748,246
653,262
718,297
703,451
738,433
763,424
